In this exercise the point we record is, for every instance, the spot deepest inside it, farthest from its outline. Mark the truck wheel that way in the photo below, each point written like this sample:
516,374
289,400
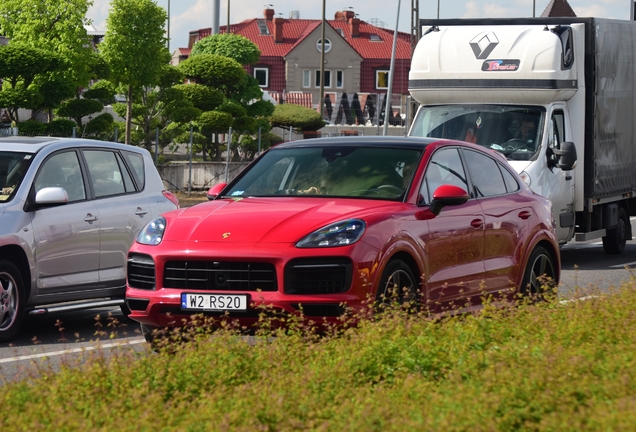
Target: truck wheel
397,285
616,238
11,300
539,277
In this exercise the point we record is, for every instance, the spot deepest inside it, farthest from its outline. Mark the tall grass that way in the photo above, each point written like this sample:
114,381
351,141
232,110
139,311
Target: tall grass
549,366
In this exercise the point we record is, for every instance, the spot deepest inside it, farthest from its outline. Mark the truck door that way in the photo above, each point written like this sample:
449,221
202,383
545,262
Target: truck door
561,183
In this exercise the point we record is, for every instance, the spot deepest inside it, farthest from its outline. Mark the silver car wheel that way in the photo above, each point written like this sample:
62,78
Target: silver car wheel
9,301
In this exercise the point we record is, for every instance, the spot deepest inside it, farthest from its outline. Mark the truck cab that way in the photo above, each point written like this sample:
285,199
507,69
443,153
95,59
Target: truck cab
525,88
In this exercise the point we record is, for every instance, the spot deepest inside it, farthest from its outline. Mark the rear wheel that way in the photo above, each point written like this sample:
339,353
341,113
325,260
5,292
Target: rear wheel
540,275
397,285
12,298
616,238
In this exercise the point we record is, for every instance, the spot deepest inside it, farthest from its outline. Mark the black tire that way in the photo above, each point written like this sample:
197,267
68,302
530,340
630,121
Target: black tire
539,277
616,238
12,298
397,285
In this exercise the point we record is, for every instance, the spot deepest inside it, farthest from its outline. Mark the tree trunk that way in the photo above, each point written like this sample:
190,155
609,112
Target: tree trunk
128,114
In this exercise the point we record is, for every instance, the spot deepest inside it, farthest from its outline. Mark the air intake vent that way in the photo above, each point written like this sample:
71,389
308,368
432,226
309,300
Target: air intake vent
318,276
141,271
220,275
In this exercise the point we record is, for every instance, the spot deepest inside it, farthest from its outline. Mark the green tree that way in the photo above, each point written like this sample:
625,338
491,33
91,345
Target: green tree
76,109
230,45
53,25
20,66
134,47
155,107
298,117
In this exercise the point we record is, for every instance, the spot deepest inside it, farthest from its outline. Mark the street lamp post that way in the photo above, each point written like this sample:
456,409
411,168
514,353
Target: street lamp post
228,17
168,27
322,60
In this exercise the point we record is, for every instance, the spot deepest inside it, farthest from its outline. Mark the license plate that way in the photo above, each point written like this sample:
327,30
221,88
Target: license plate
214,302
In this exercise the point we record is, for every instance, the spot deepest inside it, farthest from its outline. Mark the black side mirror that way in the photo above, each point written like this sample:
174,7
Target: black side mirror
446,195
567,156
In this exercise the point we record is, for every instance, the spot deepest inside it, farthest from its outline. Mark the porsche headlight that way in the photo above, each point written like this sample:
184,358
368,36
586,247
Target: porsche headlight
152,233
338,234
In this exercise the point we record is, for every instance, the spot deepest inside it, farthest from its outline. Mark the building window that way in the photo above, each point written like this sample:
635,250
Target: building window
382,79
327,45
327,78
339,79
306,78
262,76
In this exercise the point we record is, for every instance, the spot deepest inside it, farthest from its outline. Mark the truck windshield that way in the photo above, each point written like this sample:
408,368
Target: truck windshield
514,131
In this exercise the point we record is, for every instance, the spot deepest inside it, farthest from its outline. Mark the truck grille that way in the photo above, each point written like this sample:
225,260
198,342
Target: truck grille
141,271
220,275
318,276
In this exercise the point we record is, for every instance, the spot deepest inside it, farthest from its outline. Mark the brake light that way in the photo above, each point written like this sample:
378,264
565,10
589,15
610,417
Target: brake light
172,197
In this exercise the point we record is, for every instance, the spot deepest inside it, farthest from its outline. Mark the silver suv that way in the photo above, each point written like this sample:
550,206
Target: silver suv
69,211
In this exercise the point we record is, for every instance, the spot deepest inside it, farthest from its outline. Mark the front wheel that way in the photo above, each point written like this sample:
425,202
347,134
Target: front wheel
616,239
540,275
12,298
397,285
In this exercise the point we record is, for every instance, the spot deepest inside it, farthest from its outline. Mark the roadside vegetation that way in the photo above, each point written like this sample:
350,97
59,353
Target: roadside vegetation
548,366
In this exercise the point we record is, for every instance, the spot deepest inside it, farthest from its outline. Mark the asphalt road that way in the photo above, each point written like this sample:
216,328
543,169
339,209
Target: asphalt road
47,342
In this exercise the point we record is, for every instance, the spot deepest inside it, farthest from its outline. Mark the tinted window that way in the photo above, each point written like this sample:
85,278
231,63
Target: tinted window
445,167
106,176
12,169
128,182
136,163
62,170
511,182
485,174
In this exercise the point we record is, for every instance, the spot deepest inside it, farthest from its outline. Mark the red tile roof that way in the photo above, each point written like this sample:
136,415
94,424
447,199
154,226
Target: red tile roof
296,30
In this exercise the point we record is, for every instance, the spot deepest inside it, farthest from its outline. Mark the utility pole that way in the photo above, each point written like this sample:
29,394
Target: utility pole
322,60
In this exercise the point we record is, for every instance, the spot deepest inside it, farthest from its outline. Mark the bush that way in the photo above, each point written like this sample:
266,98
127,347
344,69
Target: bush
61,128
299,117
31,128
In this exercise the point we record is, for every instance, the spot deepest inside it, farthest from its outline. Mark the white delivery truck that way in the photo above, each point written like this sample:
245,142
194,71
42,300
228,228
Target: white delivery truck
556,96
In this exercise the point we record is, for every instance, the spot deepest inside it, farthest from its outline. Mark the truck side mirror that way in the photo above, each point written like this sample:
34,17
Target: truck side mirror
567,156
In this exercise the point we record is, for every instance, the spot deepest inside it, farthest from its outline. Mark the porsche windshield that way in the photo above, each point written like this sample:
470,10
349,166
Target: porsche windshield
514,131
347,171
13,165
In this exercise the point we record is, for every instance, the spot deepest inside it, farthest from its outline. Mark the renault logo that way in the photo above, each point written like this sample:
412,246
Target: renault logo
483,44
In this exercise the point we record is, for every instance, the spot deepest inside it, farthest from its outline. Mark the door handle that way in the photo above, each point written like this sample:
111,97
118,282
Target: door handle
477,223
141,212
524,214
90,218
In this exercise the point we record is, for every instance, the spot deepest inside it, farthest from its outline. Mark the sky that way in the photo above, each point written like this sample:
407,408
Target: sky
188,15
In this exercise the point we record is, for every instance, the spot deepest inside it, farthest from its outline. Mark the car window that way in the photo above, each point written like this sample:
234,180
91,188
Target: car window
13,165
128,182
135,162
62,170
105,173
348,171
485,175
444,168
511,182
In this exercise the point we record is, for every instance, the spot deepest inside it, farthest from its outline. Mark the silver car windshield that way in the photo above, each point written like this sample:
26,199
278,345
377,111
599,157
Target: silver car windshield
347,171
13,165
514,131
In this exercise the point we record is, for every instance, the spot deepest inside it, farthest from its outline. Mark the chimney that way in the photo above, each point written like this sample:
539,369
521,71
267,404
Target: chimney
269,14
354,26
278,29
348,15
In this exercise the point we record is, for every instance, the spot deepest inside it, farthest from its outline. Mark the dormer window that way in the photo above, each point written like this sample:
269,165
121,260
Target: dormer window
374,38
262,26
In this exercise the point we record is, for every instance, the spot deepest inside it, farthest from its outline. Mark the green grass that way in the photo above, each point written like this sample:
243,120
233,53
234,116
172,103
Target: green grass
552,366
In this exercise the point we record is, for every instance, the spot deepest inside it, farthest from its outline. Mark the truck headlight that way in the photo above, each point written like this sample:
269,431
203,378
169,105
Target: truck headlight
152,233
526,178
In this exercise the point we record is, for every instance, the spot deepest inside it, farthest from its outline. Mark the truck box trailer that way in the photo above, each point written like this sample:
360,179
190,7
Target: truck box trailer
569,81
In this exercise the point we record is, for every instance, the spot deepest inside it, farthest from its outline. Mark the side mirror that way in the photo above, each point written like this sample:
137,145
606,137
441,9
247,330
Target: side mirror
446,195
215,190
567,156
51,196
